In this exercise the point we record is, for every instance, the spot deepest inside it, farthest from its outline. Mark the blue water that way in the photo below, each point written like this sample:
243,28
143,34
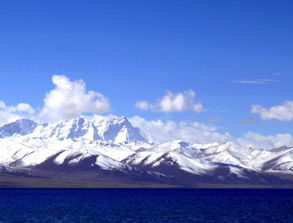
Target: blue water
146,205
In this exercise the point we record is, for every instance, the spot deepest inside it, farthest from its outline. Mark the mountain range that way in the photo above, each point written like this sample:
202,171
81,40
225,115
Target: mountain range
109,151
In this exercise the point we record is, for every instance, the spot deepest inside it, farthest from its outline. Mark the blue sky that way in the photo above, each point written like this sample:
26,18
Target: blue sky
137,50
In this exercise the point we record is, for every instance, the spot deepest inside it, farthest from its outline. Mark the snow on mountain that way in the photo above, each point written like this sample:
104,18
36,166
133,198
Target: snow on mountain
112,143
116,129
19,127
110,128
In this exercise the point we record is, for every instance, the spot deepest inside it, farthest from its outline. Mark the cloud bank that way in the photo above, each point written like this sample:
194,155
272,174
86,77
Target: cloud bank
12,113
283,112
256,140
173,102
69,99
159,131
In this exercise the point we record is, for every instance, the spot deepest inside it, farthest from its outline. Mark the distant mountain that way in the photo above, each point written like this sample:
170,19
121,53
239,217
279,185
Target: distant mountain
96,148
111,129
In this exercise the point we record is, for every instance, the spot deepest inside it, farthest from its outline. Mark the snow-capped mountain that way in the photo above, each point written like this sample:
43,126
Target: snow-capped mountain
112,145
20,127
110,128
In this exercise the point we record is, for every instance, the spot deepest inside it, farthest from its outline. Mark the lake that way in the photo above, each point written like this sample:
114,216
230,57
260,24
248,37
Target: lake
146,205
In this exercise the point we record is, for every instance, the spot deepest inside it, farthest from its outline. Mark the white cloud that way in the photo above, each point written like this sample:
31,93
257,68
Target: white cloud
283,112
256,140
23,107
70,98
159,131
143,105
248,82
173,102
257,81
12,113
2,104
19,108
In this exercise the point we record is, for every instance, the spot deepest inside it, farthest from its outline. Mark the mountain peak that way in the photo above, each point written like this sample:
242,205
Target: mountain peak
19,127
110,128
117,129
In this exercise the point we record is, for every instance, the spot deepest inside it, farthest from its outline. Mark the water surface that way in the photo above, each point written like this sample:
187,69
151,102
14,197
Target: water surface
146,205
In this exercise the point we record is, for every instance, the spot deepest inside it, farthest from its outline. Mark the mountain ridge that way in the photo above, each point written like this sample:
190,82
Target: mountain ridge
110,145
